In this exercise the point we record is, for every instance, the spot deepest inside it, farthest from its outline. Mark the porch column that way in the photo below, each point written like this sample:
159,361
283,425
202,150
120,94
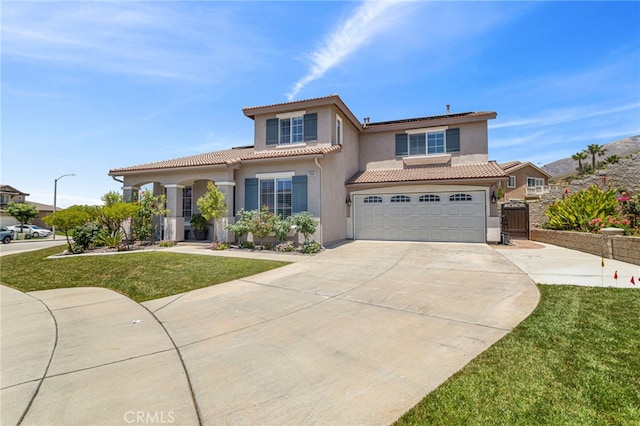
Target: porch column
226,188
130,193
158,221
174,221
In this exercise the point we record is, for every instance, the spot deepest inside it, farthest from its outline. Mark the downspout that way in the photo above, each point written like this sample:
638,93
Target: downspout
116,179
320,167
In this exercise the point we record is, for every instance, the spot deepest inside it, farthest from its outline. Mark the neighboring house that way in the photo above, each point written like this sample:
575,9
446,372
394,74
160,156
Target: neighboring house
526,182
8,194
419,179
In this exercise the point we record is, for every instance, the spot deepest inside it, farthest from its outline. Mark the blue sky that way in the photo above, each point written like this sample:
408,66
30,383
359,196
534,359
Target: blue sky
91,86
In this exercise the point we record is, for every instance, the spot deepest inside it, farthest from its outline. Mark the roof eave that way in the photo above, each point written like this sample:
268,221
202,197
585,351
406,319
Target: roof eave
482,180
483,116
121,172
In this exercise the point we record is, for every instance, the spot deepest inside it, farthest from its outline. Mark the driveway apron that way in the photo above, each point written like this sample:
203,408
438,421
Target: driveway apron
355,335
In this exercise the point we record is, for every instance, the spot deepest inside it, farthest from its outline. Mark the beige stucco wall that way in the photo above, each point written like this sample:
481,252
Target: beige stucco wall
378,149
326,128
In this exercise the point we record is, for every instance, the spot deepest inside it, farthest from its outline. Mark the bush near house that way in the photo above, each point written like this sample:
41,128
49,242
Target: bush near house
263,223
590,210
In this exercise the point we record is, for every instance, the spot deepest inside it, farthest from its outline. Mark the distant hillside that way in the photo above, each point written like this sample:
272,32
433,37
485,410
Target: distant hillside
621,148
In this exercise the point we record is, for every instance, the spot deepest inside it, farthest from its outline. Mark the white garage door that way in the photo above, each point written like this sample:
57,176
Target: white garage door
439,216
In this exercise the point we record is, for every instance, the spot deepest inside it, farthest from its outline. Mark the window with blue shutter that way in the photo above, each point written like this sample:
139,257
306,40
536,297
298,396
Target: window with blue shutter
299,196
310,127
453,140
402,145
251,194
272,131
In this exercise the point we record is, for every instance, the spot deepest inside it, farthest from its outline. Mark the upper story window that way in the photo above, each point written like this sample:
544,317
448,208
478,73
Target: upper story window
534,182
292,128
338,130
428,142
512,182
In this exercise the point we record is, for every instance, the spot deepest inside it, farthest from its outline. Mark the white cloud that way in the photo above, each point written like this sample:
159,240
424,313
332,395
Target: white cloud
158,40
367,21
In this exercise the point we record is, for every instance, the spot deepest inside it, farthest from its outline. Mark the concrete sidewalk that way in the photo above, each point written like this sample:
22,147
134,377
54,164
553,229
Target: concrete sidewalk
549,264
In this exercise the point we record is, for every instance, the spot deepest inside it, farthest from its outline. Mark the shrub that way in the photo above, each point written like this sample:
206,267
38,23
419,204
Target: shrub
111,239
263,223
285,247
577,210
281,227
311,247
220,245
305,224
85,235
243,224
166,243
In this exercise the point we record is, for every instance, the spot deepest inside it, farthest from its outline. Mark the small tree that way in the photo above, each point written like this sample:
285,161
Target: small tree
579,156
243,224
23,213
305,224
68,219
212,205
113,216
112,197
149,206
595,150
263,223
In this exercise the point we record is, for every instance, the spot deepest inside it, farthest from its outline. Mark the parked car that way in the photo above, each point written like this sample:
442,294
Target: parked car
31,230
6,235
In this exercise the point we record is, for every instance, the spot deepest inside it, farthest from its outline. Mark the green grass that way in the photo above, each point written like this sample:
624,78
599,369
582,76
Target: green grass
140,276
575,360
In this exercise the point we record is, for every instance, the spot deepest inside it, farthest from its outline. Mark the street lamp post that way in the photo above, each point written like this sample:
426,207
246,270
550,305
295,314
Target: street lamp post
55,196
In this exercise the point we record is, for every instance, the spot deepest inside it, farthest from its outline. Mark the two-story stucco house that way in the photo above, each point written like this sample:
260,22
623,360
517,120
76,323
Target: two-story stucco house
526,181
418,179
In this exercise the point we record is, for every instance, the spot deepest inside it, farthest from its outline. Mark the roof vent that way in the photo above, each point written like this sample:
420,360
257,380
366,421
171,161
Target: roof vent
448,109
366,120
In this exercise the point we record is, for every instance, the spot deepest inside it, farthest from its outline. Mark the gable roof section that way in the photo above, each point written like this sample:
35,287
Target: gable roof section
416,174
10,190
227,158
251,112
512,166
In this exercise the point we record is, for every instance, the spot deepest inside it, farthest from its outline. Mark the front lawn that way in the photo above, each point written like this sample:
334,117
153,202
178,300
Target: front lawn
140,276
575,360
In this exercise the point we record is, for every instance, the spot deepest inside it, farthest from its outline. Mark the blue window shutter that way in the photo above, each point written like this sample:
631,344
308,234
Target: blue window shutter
251,194
299,194
272,131
310,127
402,144
453,140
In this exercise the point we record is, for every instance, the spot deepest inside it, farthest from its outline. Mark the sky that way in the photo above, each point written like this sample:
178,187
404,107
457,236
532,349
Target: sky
92,86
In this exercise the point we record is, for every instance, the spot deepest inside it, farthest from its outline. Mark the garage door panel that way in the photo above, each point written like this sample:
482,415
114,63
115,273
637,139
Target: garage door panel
453,218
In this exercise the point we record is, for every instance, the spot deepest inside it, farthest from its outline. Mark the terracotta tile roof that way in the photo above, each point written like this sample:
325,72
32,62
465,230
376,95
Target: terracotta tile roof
292,103
510,164
416,174
228,157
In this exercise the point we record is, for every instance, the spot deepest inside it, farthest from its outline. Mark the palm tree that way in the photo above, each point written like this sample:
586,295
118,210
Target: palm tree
595,149
579,156
612,159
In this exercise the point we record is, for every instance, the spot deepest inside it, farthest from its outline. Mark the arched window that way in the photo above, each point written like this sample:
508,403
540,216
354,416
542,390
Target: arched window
372,199
460,197
429,198
400,199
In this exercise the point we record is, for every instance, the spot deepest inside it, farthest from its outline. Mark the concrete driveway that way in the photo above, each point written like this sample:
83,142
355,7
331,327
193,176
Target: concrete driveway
355,335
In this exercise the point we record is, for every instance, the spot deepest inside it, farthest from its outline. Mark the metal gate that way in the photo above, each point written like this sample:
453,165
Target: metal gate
515,219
